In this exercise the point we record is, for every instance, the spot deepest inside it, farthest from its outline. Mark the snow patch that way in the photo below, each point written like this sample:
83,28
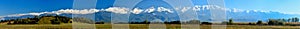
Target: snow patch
137,11
120,10
185,9
161,9
74,11
150,10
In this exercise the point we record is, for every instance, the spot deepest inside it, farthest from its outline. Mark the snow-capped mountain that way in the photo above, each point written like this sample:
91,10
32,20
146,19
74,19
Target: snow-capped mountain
163,13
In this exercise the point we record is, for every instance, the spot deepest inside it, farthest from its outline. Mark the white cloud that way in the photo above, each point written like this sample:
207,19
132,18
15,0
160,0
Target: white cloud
161,9
120,10
137,11
149,10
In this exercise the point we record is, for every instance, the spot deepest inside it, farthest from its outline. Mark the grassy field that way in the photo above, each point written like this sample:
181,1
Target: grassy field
140,26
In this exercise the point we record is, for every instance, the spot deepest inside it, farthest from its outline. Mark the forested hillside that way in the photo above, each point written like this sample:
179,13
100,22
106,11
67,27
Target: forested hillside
40,20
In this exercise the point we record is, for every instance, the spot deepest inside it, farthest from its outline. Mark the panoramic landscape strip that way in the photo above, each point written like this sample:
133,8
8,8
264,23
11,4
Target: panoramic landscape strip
149,14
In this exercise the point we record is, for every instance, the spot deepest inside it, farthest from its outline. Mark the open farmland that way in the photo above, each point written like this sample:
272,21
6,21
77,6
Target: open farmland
142,26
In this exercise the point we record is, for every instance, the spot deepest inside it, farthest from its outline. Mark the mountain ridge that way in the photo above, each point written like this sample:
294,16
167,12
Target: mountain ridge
204,14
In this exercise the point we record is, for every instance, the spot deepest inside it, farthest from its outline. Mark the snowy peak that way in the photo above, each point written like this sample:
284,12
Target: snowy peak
203,12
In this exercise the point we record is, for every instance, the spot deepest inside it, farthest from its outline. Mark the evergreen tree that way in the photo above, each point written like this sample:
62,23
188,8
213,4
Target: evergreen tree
296,19
259,22
230,21
289,20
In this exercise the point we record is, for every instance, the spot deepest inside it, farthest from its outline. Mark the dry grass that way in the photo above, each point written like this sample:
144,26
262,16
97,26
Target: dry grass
142,26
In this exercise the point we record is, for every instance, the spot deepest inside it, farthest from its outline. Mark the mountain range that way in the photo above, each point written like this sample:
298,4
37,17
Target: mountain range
162,13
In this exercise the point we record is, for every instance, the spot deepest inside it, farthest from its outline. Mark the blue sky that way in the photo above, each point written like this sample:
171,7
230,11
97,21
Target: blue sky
8,7
283,6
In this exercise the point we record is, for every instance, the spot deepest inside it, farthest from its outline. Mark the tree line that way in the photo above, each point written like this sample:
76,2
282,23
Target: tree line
40,20
56,19
269,22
